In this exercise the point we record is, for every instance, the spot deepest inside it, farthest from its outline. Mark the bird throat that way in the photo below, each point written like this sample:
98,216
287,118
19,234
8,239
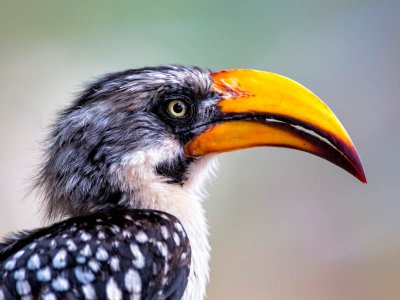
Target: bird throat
177,171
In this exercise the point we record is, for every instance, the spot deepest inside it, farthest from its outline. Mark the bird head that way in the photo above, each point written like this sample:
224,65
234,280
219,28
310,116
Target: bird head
160,126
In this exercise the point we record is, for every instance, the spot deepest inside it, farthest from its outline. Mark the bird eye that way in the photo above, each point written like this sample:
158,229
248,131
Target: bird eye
177,108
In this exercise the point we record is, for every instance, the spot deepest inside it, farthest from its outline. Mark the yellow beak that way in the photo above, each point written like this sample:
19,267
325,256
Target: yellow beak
264,109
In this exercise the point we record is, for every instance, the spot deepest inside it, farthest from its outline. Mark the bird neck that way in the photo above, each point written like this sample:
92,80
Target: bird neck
185,203
186,206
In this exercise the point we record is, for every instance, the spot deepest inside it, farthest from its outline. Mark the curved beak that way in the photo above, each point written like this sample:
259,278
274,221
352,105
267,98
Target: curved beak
256,108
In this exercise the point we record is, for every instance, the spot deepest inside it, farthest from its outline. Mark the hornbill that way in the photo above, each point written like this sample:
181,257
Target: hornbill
124,167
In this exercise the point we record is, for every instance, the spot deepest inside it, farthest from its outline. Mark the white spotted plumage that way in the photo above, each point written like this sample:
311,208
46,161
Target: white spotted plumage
71,246
44,274
60,259
83,275
114,264
19,274
60,284
10,264
101,254
23,287
141,237
85,236
133,282
34,262
112,290
49,296
139,259
94,265
88,291
162,248
86,251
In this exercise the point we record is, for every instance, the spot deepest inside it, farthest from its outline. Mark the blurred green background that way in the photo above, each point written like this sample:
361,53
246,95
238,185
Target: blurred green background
284,224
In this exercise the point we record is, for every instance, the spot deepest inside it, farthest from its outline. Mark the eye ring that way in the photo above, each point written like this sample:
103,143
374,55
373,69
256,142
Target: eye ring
177,108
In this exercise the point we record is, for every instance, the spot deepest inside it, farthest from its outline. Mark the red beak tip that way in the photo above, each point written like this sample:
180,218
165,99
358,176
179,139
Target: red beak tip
361,176
363,179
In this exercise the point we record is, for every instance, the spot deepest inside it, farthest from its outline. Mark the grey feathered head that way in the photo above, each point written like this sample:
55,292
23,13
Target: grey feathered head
122,121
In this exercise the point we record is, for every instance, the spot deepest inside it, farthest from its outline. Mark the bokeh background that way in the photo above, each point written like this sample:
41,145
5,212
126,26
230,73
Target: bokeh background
284,224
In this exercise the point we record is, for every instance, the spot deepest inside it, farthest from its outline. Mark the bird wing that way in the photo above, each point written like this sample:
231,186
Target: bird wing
127,254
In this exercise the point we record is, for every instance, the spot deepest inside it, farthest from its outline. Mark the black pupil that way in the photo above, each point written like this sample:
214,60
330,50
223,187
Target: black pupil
178,107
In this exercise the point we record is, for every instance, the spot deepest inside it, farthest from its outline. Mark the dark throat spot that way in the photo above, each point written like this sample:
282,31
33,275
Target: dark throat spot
175,171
